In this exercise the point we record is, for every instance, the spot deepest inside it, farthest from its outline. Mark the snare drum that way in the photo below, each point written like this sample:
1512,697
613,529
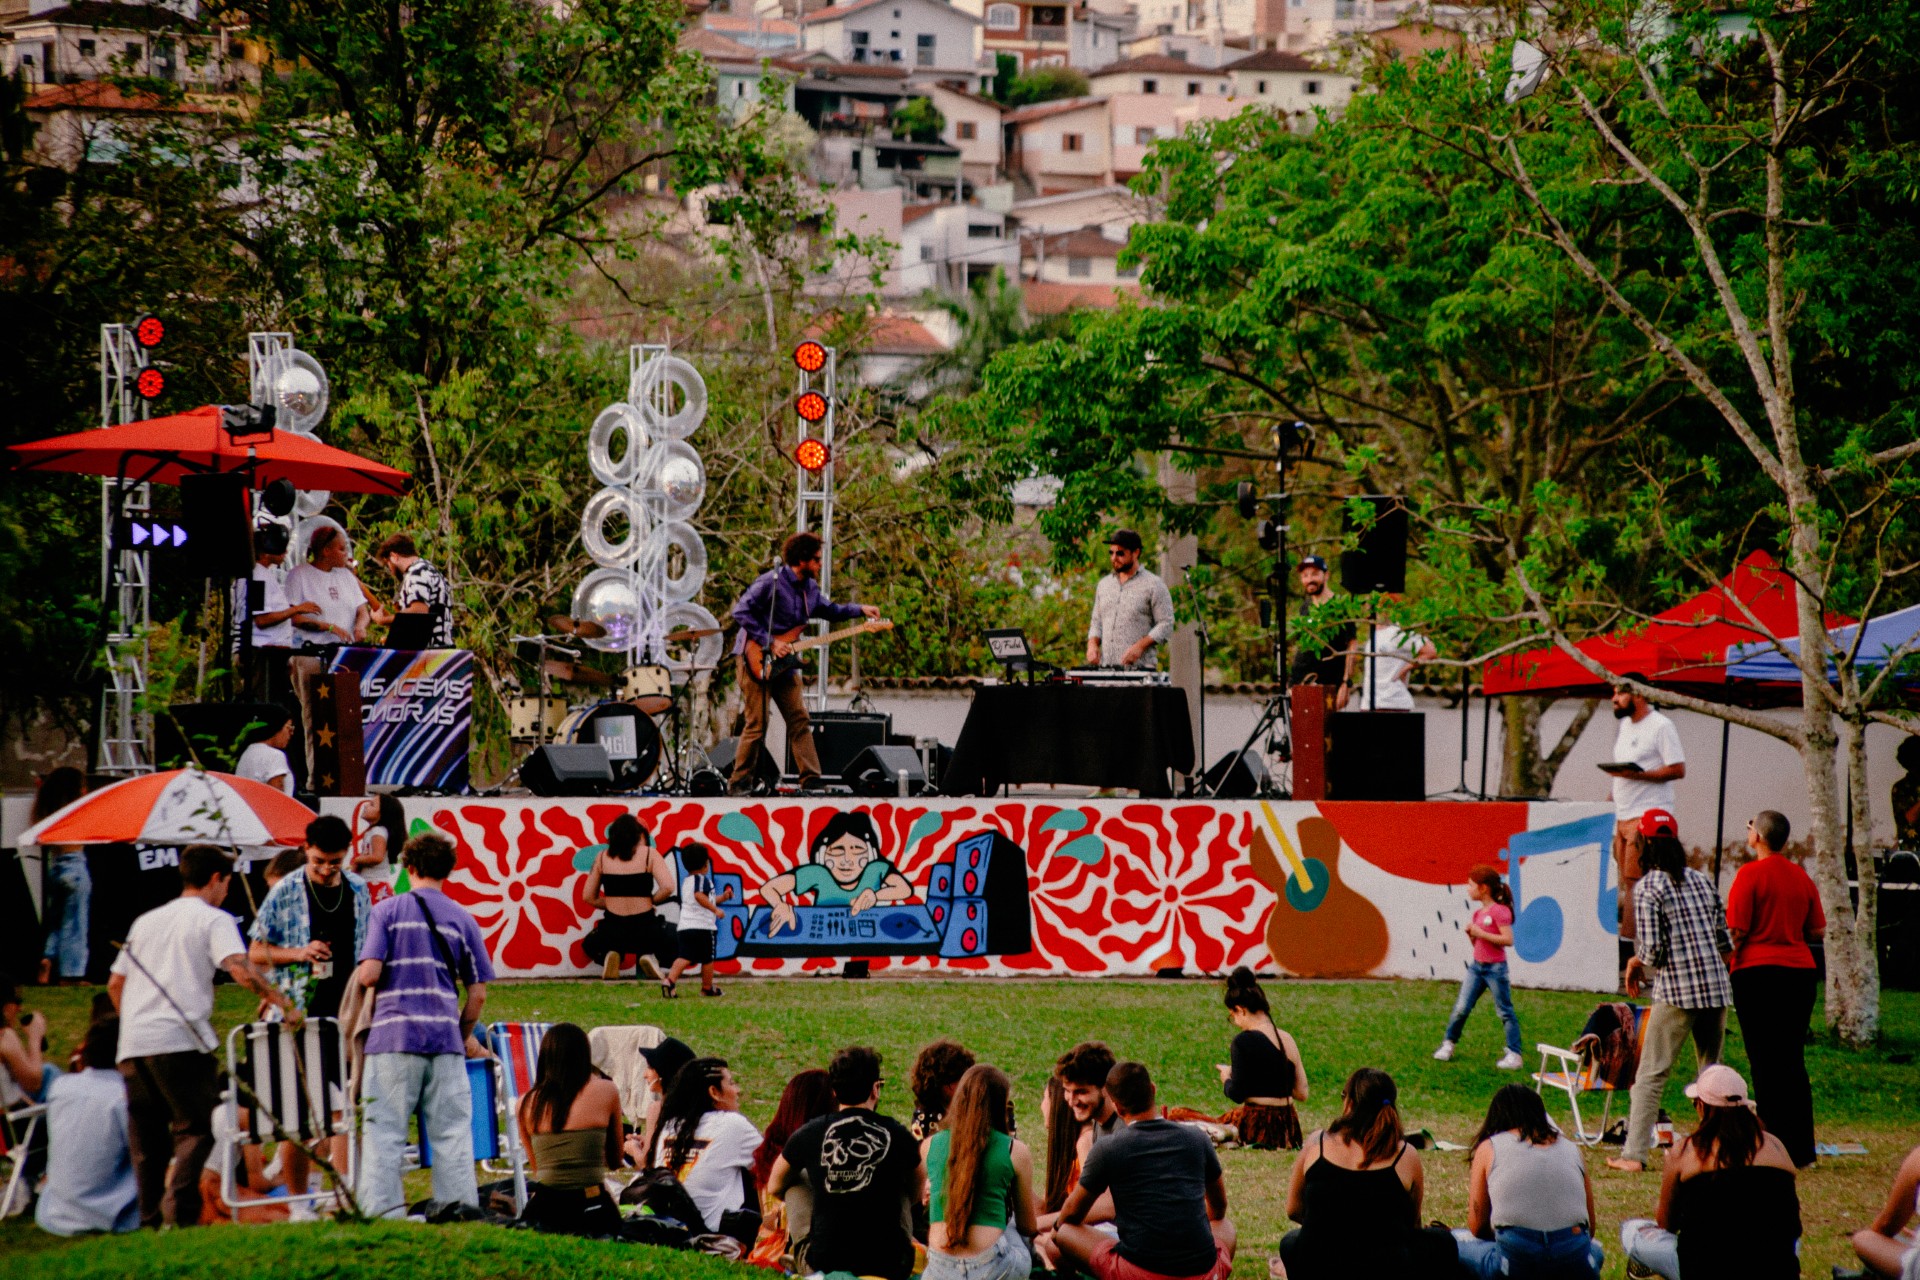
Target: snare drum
632,741
524,718
648,687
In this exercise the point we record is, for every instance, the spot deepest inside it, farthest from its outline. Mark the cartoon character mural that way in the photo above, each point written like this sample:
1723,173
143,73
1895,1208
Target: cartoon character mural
844,869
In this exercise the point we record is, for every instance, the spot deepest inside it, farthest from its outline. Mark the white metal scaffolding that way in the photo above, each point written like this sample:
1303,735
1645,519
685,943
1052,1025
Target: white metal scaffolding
126,729
814,507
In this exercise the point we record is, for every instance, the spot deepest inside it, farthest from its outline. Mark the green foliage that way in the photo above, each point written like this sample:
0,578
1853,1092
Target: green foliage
1005,68
1043,84
918,120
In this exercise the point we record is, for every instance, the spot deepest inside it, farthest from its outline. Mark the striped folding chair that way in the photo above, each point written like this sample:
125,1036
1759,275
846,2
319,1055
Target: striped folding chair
1577,1072
293,1079
516,1051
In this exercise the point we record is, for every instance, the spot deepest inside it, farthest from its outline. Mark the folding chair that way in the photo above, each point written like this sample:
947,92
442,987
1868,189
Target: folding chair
1578,1072
516,1049
285,1070
486,1115
16,1146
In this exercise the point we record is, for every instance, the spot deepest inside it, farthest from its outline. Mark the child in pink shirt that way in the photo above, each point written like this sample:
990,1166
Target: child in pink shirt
1492,932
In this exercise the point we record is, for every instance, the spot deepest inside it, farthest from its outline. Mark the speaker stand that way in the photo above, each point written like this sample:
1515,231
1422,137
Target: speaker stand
1275,712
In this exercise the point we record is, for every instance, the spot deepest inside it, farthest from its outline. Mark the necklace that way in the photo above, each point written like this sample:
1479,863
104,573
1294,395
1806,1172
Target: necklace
339,898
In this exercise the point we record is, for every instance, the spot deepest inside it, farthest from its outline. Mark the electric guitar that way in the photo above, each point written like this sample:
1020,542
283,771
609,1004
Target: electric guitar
762,671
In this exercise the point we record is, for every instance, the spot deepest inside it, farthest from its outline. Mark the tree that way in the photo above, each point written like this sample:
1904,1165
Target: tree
918,120
1045,84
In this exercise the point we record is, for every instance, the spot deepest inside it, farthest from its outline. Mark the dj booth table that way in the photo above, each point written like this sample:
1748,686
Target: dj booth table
1084,735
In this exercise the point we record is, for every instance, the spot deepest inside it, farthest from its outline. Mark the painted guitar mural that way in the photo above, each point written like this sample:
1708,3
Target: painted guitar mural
762,670
1320,927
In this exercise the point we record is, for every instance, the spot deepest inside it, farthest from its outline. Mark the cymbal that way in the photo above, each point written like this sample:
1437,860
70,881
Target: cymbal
589,630
700,633
561,623
574,673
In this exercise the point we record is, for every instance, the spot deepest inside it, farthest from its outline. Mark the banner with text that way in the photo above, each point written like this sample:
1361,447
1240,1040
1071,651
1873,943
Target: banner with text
416,711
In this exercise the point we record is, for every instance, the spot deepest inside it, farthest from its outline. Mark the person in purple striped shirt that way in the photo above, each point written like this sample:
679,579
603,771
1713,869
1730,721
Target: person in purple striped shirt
421,948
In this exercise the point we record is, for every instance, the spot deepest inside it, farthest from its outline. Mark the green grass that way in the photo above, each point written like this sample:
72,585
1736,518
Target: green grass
770,1029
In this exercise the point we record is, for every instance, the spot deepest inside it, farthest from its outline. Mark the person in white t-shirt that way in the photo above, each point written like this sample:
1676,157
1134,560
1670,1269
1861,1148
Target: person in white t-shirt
1651,745
1391,653
326,580
273,621
266,759
162,987
706,1142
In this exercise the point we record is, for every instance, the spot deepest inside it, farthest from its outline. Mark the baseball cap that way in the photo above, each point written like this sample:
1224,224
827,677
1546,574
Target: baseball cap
667,1057
1658,822
1312,562
1720,1086
1125,538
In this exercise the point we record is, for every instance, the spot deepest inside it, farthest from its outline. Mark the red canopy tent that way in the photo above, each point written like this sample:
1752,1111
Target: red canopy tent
161,450
1683,648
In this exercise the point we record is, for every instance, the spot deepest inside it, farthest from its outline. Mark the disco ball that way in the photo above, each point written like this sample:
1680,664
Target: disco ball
675,471
606,596
297,386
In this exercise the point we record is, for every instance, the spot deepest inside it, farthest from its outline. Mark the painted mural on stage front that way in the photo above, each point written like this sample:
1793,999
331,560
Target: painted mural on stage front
1111,887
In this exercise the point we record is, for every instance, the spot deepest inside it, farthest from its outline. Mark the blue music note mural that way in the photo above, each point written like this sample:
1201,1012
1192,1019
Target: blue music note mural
1538,926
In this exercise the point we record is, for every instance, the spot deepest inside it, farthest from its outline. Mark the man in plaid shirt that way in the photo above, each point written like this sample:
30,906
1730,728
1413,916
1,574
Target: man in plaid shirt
1682,937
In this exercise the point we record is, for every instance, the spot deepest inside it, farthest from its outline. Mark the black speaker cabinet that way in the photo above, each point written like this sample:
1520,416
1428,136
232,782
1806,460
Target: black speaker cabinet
839,736
1377,755
876,771
1379,563
568,769
216,512
722,755
1236,777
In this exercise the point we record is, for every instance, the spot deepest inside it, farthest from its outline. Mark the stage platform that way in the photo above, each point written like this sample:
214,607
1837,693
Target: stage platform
1113,886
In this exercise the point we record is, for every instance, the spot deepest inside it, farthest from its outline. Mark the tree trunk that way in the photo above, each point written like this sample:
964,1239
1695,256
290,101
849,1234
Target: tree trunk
1526,769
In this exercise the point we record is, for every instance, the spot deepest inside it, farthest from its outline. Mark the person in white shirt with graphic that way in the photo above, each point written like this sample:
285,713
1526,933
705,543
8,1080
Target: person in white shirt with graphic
1649,747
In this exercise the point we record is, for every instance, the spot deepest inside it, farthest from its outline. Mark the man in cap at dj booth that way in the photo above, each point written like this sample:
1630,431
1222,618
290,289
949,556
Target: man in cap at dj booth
1132,609
1322,662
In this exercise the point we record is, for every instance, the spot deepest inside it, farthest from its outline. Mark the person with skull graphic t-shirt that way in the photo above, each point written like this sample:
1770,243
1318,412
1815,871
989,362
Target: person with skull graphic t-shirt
865,1173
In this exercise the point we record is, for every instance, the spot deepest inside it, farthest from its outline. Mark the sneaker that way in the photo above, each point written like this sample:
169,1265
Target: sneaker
711,991
1638,1270
649,969
611,969
1445,1052
1510,1061
302,1211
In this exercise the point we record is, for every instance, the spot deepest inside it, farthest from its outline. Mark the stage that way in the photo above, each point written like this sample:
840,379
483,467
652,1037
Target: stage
1116,887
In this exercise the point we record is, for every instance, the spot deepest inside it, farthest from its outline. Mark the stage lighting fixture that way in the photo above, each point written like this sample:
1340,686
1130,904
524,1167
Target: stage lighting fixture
1243,499
297,386
150,384
149,331
248,423
278,496
1269,535
812,455
811,406
810,356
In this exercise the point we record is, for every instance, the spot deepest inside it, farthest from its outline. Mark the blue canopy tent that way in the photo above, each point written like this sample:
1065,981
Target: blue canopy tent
1892,635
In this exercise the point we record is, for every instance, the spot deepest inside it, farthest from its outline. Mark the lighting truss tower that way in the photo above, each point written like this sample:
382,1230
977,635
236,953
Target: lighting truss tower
814,504
126,731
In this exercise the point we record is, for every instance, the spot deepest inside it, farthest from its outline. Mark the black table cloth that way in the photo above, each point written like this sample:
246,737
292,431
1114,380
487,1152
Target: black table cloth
1085,735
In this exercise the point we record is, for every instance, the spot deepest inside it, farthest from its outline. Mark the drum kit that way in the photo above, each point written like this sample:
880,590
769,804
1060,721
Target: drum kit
623,716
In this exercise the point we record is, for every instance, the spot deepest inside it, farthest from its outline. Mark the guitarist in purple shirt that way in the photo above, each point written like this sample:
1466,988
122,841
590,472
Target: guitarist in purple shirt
772,615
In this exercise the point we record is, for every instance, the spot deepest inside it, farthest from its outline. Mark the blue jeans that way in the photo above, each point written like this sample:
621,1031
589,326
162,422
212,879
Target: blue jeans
68,910
1006,1259
1485,977
395,1085
1521,1253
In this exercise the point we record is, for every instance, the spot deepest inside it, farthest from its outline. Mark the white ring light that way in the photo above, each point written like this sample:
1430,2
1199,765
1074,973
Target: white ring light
311,502
676,374
657,557
687,616
602,509
608,467
674,471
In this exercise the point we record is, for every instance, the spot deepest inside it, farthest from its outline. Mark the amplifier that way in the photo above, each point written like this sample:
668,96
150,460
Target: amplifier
1377,755
1118,675
839,736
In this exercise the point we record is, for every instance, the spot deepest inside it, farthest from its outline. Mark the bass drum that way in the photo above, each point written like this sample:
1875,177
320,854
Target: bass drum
632,741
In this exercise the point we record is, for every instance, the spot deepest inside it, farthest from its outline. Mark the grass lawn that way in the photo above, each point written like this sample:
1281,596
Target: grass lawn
770,1029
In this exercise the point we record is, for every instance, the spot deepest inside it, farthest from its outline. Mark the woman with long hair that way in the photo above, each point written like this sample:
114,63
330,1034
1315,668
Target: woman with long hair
979,1187
1491,930
936,1074
1063,1144
1728,1204
1356,1192
69,886
379,829
628,878
1264,1073
1529,1202
570,1127
709,1146
807,1097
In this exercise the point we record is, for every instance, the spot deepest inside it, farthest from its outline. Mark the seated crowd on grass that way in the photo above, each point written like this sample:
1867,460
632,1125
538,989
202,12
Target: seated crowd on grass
1130,1189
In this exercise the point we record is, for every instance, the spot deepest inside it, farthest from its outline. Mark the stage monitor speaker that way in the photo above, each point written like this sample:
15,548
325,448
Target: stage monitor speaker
1379,562
720,758
216,512
839,736
876,771
1377,755
568,769
1236,777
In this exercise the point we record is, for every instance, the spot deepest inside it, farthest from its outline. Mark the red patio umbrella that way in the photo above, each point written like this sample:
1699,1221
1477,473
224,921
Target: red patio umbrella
161,450
177,807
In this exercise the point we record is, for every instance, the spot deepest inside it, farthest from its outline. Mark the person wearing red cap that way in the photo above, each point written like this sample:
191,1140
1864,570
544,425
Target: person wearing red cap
1647,761
1682,941
1773,915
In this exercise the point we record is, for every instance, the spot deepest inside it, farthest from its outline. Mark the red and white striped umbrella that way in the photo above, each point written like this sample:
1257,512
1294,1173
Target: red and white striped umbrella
177,807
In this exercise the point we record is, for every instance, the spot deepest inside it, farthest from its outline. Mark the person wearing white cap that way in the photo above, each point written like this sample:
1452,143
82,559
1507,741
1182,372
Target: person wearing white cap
1728,1205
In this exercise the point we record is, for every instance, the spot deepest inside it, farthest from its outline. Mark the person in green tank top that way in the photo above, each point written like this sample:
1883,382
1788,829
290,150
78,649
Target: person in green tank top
979,1187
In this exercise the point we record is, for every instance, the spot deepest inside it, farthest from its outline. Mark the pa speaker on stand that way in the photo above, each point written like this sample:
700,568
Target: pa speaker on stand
1379,561
1239,776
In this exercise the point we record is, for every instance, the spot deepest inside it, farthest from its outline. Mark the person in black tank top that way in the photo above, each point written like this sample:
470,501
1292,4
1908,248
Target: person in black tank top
627,879
1264,1075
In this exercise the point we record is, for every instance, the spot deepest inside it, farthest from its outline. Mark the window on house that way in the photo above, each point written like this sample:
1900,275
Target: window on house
86,48
926,253
1149,86
739,88
857,40
966,130
1003,17
1070,142
1260,86
982,231
893,35
923,51
1079,266
1311,86
1193,88
1143,135
1128,272
135,50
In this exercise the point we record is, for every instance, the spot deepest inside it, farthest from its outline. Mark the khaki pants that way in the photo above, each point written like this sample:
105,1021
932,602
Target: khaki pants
1627,846
1667,1029
784,693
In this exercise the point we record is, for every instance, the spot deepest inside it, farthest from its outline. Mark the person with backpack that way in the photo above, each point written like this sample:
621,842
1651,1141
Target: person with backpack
421,948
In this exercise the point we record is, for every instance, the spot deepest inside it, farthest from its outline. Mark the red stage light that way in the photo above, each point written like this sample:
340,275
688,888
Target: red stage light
150,384
149,331
810,356
812,455
811,406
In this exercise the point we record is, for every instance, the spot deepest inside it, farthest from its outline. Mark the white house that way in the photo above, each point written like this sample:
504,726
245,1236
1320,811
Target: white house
921,37
1162,76
948,247
1086,256
1112,210
95,40
1063,145
973,125
738,71
1288,82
